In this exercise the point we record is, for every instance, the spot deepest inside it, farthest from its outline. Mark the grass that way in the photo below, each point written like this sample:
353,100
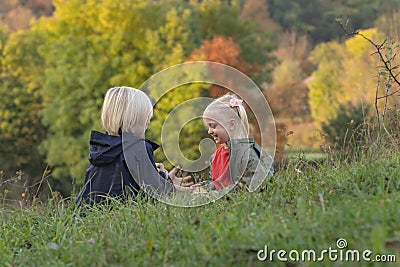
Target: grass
307,155
304,206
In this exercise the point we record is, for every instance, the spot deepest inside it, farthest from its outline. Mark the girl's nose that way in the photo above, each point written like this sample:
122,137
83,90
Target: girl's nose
210,131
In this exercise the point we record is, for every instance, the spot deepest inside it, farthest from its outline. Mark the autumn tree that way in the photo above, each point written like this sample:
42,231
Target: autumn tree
17,15
86,55
257,11
68,61
217,18
289,100
292,63
21,130
325,88
19,18
316,18
345,75
174,37
222,50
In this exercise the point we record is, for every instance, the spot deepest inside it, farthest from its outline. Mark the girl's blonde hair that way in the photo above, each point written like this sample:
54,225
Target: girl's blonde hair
123,108
228,107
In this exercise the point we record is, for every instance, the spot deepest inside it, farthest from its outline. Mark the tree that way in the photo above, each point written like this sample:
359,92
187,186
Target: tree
316,18
325,88
216,18
222,50
292,56
85,48
21,130
257,11
18,18
345,73
173,37
289,100
85,56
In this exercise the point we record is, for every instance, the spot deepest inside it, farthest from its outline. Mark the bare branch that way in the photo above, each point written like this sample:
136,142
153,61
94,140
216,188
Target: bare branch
387,95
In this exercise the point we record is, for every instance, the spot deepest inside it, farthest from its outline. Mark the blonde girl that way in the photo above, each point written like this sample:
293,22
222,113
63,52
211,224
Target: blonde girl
238,159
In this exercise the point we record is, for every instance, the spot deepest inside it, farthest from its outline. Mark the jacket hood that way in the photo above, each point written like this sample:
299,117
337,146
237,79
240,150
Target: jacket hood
104,148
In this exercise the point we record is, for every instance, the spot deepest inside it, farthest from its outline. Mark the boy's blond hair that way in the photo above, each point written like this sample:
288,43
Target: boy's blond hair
123,108
228,107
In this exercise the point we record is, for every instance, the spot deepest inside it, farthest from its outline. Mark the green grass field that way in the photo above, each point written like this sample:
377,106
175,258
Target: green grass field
304,207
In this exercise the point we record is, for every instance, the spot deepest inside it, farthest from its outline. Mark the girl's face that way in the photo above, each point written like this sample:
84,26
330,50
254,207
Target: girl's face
217,131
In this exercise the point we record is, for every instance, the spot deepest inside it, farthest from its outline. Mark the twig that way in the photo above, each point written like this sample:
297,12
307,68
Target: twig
44,177
376,100
386,65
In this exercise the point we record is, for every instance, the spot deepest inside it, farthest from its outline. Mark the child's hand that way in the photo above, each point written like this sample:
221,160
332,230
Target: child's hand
161,168
181,181
198,188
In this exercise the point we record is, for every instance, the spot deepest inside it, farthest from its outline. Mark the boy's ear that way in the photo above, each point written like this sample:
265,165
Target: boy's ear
232,125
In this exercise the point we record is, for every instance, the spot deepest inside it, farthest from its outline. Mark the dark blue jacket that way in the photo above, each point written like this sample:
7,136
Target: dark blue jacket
108,174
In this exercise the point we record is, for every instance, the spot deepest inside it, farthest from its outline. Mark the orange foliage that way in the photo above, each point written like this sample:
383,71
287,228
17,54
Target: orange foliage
222,50
289,100
16,14
19,18
219,49
257,11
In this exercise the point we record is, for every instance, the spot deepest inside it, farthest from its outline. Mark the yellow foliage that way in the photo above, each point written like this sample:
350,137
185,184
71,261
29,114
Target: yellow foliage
287,70
346,73
358,46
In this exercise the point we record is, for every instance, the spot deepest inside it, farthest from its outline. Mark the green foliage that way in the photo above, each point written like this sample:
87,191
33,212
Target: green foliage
218,18
183,134
316,18
3,38
55,75
77,73
303,207
21,130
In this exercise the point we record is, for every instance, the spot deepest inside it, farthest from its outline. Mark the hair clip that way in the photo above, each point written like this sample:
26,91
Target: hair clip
235,102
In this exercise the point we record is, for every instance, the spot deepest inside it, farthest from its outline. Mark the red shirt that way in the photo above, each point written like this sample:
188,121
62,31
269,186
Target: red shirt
220,168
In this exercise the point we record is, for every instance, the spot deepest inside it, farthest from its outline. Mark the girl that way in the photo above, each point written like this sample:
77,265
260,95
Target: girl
238,158
126,113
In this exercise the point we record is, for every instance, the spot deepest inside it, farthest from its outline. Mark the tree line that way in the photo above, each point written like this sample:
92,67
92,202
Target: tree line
54,74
